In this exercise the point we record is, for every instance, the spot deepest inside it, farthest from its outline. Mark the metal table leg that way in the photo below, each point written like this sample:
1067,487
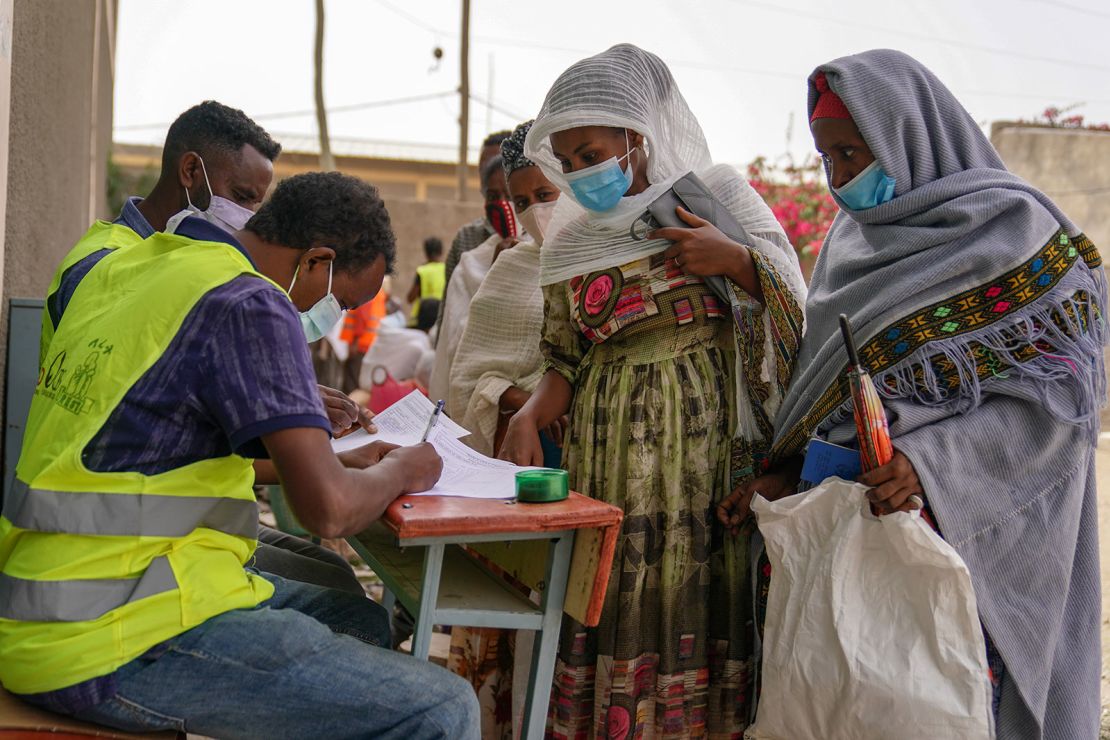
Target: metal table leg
547,638
429,595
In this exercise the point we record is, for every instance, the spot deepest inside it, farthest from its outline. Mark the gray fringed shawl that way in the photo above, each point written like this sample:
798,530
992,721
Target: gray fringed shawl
979,309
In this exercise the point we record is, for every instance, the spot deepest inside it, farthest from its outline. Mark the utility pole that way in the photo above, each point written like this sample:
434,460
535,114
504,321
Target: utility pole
327,162
464,100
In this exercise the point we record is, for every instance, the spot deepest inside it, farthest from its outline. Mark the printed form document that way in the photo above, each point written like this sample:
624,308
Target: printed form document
466,473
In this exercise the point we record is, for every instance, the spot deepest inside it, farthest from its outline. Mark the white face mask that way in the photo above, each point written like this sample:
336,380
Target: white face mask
221,212
324,314
536,217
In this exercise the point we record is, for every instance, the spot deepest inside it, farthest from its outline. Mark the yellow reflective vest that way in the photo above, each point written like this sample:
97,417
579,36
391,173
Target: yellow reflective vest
96,568
101,235
433,281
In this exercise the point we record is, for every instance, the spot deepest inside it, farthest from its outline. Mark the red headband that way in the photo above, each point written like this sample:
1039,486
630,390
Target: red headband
829,104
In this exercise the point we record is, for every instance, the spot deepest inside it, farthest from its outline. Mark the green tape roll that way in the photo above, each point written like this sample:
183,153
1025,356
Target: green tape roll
541,486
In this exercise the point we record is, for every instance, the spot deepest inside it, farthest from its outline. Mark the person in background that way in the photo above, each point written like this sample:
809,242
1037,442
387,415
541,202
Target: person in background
473,266
429,281
153,621
498,362
979,308
496,367
217,165
360,329
477,231
671,389
403,353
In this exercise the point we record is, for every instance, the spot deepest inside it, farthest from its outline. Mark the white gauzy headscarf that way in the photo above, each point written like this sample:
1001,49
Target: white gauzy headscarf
627,87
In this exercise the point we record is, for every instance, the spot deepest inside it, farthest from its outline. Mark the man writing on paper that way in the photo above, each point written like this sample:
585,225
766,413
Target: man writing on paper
124,596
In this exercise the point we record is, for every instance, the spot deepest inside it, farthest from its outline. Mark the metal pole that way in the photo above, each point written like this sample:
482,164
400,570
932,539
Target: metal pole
464,100
327,162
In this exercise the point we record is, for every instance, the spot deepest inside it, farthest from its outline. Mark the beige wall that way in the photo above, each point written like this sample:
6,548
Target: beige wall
413,221
58,134
1072,166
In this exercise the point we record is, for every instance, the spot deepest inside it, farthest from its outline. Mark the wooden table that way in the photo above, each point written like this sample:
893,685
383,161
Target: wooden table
415,548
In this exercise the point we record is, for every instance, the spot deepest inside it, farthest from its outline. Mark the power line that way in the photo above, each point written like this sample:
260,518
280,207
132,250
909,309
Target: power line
497,108
312,111
1098,190
854,24
1073,8
413,19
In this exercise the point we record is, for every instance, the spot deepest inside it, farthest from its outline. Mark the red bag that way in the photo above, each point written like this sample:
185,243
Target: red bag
386,391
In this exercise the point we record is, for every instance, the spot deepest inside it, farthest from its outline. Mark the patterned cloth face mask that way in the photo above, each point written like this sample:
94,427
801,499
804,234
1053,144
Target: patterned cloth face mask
324,314
601,186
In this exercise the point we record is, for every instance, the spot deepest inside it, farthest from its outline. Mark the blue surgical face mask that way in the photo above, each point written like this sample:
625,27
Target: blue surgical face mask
868,189
601,186
324,314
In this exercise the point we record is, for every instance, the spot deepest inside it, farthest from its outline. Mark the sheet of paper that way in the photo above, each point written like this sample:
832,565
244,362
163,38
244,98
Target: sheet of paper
403,423
469,474
466,473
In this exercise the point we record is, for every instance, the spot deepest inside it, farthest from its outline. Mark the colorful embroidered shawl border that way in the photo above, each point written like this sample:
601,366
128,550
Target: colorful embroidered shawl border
967,312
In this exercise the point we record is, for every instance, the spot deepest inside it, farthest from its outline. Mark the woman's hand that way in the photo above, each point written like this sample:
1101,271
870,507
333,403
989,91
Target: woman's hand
894,486
558,430
704,250
513,399
521,445
738,506
507,243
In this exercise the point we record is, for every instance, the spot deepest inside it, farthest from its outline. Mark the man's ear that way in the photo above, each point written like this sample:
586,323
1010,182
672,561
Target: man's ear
317,254
188,170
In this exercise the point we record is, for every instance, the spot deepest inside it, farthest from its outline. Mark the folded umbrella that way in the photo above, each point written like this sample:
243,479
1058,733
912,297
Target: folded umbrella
871,426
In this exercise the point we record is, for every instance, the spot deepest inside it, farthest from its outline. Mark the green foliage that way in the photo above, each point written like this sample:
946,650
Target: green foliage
123,183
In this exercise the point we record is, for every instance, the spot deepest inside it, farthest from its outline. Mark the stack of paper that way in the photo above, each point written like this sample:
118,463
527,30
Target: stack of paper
466,473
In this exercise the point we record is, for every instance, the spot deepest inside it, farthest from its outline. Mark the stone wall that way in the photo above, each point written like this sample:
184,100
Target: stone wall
413,221
1072,166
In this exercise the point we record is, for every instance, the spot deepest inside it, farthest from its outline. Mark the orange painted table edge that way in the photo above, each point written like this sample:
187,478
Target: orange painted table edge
415,517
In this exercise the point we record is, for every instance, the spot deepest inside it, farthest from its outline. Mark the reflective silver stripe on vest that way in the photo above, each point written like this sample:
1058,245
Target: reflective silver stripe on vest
126,514
80,600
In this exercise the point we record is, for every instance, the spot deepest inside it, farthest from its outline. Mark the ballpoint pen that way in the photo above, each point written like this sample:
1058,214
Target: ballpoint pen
432,421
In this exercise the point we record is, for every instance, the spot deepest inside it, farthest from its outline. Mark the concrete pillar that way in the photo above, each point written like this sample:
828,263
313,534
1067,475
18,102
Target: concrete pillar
55,134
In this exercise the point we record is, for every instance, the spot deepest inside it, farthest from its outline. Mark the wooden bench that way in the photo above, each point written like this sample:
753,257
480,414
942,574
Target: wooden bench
21,721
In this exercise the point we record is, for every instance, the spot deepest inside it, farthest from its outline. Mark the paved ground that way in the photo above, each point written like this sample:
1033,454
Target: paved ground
1103,461
1104,551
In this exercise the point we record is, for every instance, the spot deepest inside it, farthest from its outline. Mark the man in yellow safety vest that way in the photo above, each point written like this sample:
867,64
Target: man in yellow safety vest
126,596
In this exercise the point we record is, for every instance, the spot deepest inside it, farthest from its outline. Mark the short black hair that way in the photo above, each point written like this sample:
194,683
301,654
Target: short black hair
427,314
492,166
433,247
211,127
328,209
496,138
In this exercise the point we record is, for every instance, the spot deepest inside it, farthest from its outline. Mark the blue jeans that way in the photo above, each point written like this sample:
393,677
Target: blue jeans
302,664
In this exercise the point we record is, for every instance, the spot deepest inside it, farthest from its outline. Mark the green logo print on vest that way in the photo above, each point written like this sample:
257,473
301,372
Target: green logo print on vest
69,386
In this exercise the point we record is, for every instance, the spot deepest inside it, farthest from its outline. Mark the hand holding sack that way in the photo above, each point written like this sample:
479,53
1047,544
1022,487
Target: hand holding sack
872,629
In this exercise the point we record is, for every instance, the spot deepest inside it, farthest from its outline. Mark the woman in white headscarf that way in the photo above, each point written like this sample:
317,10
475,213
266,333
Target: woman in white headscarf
671,391
498,361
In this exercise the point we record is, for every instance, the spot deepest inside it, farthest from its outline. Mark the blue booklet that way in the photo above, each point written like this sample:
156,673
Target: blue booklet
826,460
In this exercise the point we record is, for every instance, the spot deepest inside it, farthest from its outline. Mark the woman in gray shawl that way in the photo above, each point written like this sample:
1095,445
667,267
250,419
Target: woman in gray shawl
979,309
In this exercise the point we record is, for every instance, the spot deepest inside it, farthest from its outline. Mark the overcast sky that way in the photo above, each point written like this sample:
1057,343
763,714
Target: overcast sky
741,64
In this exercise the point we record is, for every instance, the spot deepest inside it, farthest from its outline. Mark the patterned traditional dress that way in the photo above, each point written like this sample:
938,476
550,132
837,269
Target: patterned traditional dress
651,353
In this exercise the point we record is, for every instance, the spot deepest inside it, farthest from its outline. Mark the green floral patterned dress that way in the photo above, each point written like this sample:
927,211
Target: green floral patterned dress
652,356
